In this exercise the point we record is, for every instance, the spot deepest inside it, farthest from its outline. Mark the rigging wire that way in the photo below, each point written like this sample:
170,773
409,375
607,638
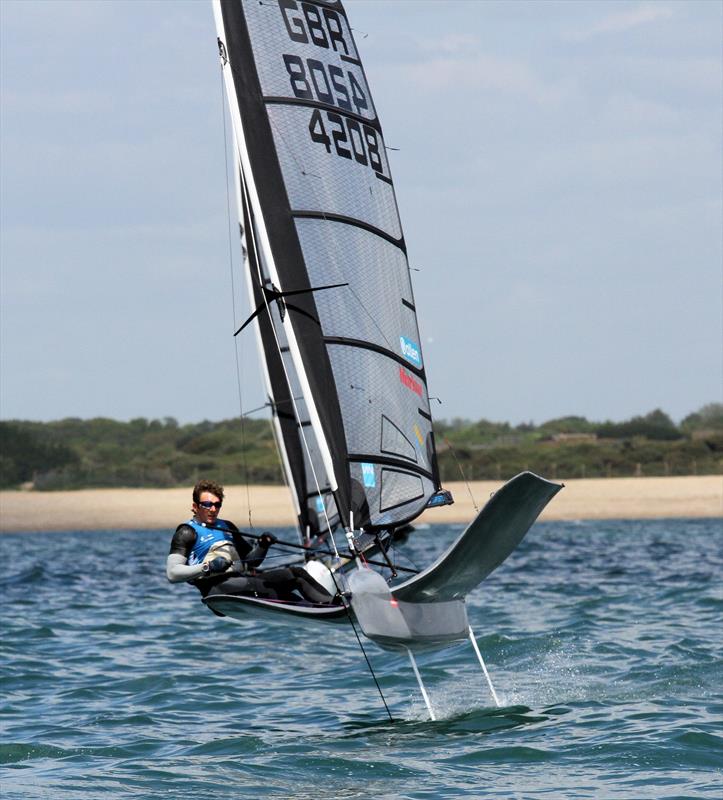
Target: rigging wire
358,639
366,658
268,404
244,459
302,435
461,472
317,551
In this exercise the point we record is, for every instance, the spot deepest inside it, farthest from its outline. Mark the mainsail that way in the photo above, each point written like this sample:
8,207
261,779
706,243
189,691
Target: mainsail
327,266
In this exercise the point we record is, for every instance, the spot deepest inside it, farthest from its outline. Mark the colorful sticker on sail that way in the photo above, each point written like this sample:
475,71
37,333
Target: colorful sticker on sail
370,479
319,504
410,351
409,381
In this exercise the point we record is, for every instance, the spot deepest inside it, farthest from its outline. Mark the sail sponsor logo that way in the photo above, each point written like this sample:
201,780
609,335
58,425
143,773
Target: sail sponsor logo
410,351
419,444
368,475
409,381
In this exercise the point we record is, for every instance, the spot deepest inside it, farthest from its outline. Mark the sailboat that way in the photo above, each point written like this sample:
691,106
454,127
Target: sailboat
326,268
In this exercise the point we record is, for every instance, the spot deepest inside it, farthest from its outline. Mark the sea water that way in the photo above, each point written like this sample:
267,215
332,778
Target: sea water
604,641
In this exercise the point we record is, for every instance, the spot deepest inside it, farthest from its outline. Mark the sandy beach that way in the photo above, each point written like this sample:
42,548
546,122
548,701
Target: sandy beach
150,509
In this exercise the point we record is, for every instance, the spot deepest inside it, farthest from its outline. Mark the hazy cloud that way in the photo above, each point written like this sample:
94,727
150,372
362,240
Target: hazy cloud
484,72
449,43
622,21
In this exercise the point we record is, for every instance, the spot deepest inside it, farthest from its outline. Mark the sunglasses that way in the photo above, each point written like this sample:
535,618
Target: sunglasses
210,504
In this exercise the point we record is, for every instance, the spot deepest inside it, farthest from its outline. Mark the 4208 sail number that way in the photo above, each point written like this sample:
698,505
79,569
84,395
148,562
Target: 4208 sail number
345,136
362,140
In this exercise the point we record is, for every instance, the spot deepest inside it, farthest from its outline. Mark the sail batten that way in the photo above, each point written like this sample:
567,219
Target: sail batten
329,217
387,352
344,365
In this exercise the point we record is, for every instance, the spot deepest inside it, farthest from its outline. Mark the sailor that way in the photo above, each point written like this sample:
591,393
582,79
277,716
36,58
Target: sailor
211,554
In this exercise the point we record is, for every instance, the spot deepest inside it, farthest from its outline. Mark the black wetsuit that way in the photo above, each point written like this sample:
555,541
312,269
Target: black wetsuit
278,583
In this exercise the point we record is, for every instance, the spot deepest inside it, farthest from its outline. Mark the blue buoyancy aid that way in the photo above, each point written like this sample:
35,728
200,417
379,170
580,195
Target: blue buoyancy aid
206,538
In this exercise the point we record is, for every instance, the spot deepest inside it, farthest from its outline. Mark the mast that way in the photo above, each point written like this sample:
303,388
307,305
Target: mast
248,270
300,458
230,13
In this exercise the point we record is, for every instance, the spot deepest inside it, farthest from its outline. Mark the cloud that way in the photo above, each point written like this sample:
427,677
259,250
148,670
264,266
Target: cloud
622,21
449,43
627,111
484,72
84,101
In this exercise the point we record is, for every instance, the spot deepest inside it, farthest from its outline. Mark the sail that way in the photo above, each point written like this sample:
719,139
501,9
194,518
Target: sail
328,264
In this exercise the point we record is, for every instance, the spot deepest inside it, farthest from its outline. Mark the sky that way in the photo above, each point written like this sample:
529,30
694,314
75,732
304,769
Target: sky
557,167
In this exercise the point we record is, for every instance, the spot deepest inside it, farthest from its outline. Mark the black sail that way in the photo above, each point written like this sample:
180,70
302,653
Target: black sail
328,265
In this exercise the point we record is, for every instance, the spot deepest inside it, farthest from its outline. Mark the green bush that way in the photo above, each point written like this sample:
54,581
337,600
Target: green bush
74,453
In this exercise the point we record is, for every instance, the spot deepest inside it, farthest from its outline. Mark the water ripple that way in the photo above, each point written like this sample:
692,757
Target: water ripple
602,640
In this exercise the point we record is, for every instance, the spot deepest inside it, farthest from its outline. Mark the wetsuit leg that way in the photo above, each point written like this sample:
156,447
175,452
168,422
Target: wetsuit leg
310,588
243,584
286,580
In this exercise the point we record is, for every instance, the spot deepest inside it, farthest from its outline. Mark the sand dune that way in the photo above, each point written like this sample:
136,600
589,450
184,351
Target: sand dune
150,509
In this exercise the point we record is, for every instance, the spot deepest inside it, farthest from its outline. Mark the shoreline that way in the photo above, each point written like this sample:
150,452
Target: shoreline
163,509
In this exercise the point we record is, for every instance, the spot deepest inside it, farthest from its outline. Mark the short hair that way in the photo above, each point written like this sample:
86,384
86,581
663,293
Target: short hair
207,486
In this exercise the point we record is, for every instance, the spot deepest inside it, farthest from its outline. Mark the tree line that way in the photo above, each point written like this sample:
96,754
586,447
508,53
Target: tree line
74,453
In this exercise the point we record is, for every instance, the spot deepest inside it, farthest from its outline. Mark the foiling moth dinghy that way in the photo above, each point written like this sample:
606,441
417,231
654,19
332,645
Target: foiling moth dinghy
426,611
325,264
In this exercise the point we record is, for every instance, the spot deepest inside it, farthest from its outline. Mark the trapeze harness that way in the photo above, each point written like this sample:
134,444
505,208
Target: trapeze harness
213,542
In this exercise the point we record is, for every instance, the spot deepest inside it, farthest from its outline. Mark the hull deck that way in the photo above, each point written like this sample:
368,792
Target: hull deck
241,607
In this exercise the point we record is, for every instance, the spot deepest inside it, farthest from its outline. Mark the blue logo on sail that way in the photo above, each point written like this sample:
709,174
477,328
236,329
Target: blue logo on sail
319,504
410,351
370,479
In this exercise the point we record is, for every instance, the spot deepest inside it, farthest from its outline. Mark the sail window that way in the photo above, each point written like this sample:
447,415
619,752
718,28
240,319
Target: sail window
394,442
399,488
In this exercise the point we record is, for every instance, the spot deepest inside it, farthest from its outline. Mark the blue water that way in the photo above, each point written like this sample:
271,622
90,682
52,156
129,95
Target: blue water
604,641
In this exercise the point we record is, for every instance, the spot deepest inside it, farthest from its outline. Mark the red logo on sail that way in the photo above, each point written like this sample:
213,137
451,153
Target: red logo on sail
409,381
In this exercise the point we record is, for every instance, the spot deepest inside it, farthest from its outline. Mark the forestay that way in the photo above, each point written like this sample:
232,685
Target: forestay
344,364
